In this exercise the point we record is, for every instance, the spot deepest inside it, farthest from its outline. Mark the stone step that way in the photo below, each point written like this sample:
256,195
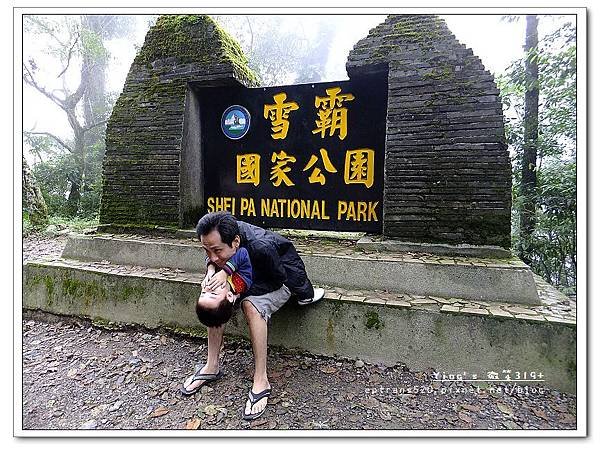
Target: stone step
448,334
338,263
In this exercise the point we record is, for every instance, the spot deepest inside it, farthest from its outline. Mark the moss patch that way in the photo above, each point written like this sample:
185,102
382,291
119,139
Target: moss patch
373,321
107,325
131,291
84,290
442,72
329,334
197,332
438,329
48,282
194,39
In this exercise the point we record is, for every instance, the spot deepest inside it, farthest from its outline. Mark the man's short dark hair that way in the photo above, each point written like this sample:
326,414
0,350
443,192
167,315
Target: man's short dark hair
221,221
217,316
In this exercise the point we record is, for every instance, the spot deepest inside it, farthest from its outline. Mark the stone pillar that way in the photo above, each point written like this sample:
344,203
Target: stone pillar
152,170
447,168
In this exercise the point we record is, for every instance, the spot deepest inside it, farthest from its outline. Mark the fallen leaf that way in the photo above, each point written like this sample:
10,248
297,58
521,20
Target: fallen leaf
505,409
375,378
510,425
272,424
465,417
259,422
163,339
221,415
540,413
559,408
566,418
470,408
329,370
116,406
385,415
370,403
212,409
159,412
194,423
72,372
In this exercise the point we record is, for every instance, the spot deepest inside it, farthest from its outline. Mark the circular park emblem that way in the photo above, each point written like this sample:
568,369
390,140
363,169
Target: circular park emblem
235,122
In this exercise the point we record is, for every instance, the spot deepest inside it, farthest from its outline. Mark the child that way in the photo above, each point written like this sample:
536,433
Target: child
221,288
237,270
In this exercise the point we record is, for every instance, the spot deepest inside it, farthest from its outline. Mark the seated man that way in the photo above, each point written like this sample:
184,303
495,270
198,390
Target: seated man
278,273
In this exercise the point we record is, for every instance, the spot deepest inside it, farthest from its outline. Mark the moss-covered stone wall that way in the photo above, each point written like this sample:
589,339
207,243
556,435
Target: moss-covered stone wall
144,136
447,168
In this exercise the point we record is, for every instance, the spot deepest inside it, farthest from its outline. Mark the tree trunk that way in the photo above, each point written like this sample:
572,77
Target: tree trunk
94,99
77,179
33,201
530,135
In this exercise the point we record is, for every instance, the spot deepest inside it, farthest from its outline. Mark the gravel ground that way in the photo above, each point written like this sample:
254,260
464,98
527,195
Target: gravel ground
79,376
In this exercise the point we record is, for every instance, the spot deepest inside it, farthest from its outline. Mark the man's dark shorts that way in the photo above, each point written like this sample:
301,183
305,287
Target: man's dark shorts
268,303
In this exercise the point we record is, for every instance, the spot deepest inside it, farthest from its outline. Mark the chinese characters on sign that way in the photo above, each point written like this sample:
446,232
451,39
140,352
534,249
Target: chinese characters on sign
278,115
248,168
314,155
332,116
279,170
316,175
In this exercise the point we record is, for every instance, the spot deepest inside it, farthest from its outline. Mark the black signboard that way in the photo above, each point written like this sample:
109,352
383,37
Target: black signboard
303,156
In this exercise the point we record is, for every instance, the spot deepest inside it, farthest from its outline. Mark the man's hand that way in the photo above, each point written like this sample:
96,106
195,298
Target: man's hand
210,271
217,281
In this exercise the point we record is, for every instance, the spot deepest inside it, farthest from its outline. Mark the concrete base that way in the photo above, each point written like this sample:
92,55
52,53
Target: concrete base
467,250
497,281
374,331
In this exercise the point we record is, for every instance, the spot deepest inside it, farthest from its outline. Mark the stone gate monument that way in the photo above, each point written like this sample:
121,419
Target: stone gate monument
424,106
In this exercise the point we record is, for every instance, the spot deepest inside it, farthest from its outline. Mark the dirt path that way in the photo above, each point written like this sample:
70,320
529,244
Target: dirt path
76,376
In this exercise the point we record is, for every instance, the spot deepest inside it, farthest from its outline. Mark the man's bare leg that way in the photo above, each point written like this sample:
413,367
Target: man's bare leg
215,342
258,335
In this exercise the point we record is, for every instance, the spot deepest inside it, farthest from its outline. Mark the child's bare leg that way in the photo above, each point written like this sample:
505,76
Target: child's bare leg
215,342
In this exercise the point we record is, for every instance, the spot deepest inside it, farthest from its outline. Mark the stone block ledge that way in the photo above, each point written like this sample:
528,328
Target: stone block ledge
462,250
337,262
421,331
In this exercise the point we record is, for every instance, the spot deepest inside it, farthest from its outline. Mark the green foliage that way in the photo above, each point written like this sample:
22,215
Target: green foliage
54,176
311,67
93,45
71,167
28,227
556,56
59,224
53,179
552,247
71,224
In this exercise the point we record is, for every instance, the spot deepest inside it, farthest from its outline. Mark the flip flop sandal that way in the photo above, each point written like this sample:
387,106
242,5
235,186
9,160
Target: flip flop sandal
254,398
210,377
